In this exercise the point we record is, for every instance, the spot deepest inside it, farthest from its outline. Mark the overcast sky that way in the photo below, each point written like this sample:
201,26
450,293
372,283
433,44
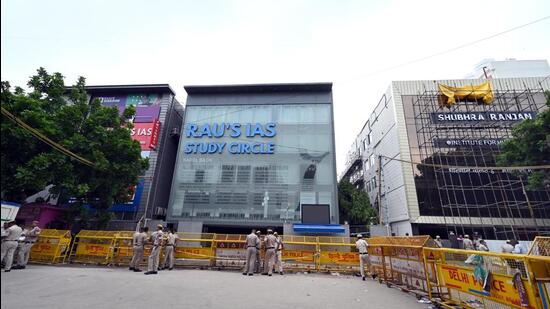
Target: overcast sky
232,42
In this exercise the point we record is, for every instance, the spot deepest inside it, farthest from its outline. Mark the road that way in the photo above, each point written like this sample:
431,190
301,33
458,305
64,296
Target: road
90,287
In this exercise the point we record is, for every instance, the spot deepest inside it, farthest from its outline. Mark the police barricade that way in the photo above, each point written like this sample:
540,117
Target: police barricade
51,247
93,247
399,261
124,249
194,249
538,259
478,279
338,254
300,253
229,250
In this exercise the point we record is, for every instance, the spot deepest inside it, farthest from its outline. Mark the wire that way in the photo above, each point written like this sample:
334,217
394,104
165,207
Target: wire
528,167
45,139
452,49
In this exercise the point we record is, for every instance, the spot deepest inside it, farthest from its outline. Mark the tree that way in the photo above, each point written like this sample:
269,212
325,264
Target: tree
96,133
529,146
354,204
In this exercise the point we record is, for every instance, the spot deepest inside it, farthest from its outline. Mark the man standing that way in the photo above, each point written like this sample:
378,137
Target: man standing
437,240
362,247
169,250
468,243
153,262
258,261
270,245
453,240
9,244
251,245
31,236
138,243
507,247
279,254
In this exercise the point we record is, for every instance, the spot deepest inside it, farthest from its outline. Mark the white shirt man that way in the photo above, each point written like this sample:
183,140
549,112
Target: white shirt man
171,239
507,247
9,244
362,247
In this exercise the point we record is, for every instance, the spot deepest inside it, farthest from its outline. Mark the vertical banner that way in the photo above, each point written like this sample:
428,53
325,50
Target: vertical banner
155,135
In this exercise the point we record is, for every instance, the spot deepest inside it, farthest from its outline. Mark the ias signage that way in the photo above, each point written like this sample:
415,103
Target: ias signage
232,130
481,116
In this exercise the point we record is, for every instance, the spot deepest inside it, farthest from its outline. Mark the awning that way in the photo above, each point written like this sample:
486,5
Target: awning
319,228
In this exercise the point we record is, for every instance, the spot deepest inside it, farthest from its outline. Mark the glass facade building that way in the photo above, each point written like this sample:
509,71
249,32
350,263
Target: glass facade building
251,155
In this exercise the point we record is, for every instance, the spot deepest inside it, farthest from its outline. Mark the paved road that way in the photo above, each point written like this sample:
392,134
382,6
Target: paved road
76,287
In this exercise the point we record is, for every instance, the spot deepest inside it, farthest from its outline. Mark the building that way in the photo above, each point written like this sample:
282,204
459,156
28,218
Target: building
510,68
255,156
157,125
450,185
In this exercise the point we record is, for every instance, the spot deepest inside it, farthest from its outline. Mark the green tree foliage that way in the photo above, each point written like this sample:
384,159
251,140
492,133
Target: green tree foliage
354,204
97,133
530,145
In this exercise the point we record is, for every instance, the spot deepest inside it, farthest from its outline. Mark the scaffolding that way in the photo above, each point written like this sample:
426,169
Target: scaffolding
478,191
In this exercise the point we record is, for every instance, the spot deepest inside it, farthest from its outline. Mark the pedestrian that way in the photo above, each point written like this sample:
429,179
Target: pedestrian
171,240
25,245
153,262
468,243
251,245
453,240
258,261
270,244
279,254
138,243
476,241
9,244
482,245
518,248
437,240
362,247
507,247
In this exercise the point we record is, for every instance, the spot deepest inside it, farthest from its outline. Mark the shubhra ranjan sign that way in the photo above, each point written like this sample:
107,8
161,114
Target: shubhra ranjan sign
238,131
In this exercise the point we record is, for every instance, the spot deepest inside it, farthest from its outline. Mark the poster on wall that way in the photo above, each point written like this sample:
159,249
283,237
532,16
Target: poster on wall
147,105
146,134
113,101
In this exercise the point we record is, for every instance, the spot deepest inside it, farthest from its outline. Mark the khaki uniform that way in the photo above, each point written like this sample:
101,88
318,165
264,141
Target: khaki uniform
362,247
153,262
138,243
270,246
9,244
251,245
507,248
468,244
31,236
279,255
169,250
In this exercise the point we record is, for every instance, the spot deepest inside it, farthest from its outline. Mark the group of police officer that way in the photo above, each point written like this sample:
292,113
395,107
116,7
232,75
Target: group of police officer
159,240
273,246
17,243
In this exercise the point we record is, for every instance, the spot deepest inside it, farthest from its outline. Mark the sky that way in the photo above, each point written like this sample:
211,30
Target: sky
357,45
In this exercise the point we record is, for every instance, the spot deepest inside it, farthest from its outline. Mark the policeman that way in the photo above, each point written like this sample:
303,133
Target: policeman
362,247
279,254
153,262
9,244
251,245
25,245
270,246
468,243
169,248
258,261
138,242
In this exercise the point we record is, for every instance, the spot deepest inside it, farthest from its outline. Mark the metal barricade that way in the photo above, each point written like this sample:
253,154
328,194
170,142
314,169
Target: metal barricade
300,253
229,250
478,279
51,247
195,249
538,259
93,247
338,254
399,261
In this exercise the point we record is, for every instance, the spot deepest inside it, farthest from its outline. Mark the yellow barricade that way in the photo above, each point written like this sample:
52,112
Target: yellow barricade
229,250
194,249
51,247
338,254
477,279
300,253
399,261
124,249
93,247
538,259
